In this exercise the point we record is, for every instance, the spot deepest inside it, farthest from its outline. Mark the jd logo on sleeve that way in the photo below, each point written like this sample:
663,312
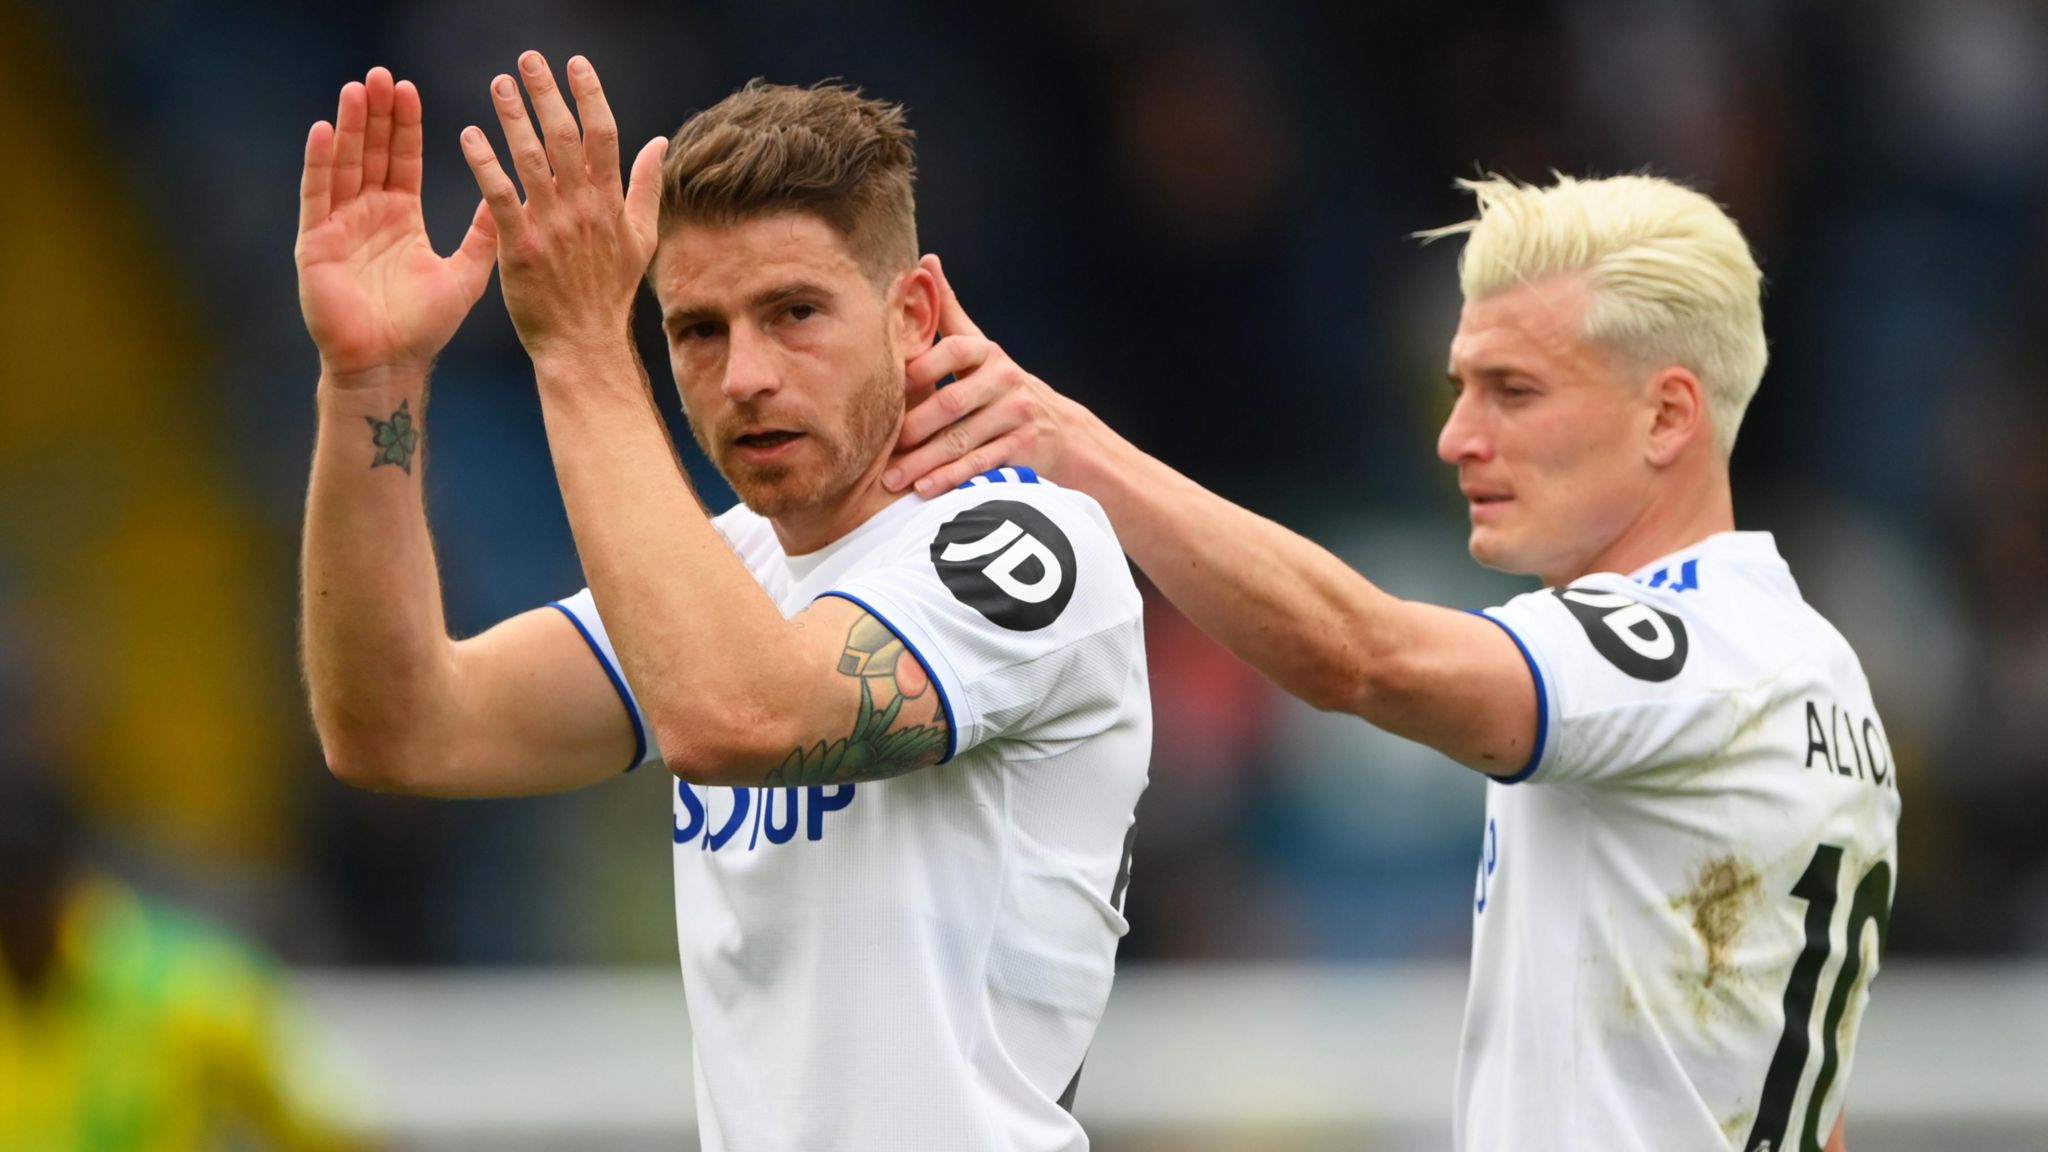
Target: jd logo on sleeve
1007,561
1636,638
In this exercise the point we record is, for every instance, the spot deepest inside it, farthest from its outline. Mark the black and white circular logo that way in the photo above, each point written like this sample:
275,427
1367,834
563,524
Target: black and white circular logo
1007,561
1642,641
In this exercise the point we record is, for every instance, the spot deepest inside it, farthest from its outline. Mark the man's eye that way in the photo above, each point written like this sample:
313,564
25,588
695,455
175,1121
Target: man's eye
702,330
802,311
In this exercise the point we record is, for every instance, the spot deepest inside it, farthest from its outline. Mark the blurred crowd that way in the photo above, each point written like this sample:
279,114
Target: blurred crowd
1193,217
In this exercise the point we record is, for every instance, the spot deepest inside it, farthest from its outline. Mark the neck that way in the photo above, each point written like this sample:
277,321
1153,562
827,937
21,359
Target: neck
1682,513
809,529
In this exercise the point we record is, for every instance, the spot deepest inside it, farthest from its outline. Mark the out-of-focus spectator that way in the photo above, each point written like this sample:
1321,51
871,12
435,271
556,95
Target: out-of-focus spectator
127,1025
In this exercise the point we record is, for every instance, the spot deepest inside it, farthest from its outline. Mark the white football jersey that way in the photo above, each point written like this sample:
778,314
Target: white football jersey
920,962
1682,899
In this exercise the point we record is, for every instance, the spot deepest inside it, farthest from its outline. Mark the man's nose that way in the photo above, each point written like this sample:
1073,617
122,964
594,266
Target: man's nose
1464,436
749,365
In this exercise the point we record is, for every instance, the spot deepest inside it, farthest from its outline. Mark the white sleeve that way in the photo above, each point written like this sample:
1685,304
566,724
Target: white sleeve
1019,603
581,609
1619,687
742,531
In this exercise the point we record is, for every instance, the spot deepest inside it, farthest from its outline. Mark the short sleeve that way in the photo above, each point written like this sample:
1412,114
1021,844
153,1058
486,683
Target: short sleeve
1012,597
750,537
581,609
1618,685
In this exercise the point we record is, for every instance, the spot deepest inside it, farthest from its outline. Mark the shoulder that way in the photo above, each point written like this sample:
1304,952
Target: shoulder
1073,511
998,513
1606,620
1696,623
1025,555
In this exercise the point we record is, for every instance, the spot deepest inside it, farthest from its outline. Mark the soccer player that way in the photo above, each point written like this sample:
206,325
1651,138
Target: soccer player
909,733
1690,845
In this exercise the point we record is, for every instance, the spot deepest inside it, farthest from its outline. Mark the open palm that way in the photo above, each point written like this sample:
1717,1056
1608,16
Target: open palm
374,293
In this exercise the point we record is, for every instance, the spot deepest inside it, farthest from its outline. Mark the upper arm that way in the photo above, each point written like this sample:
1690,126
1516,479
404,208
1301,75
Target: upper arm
1460,683
533,711
863,706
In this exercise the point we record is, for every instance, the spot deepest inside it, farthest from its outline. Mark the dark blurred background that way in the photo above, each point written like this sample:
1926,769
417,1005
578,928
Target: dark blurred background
1195,218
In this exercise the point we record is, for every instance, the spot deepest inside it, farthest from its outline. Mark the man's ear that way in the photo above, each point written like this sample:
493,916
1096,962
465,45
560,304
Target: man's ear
914,309
1678,417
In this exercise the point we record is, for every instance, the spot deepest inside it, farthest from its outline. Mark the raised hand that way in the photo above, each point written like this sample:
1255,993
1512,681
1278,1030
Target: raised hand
994,413
374,293
574,251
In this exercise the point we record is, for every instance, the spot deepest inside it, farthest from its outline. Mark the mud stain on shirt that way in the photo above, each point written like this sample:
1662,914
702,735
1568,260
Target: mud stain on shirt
1723,895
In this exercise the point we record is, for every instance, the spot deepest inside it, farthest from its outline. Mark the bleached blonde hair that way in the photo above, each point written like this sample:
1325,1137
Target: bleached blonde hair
1672,279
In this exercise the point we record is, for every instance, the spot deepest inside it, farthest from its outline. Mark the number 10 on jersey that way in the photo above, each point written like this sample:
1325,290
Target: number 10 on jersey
1870,907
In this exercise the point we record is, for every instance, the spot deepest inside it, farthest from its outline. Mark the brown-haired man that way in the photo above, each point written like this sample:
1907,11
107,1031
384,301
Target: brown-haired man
909,733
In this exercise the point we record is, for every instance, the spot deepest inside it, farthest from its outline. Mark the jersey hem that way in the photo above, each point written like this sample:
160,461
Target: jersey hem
618,685
945,702
1542,704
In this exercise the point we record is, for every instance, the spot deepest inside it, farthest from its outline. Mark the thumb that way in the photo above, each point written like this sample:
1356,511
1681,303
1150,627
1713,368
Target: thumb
953,320
472,261
643,188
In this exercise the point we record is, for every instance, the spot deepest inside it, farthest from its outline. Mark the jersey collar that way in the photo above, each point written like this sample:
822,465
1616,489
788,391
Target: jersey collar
1755,548
802,567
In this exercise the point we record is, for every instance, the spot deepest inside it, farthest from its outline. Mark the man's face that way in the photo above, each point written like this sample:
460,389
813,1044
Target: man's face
1547,432
784,352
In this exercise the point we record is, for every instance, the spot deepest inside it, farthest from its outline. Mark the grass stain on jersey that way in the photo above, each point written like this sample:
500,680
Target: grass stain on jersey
1723,894
1631,1005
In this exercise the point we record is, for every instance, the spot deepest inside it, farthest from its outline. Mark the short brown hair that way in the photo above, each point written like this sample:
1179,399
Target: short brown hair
825,150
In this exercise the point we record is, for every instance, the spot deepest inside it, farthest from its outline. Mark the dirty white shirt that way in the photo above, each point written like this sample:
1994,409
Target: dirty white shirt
1682,898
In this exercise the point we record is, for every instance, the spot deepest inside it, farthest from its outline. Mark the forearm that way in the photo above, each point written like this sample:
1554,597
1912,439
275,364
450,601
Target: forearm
1282,603
709,655
378,661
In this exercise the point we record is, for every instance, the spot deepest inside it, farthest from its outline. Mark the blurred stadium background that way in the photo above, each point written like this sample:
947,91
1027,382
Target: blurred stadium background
1194,218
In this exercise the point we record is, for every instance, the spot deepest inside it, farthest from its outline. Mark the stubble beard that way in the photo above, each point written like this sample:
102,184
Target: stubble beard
838,455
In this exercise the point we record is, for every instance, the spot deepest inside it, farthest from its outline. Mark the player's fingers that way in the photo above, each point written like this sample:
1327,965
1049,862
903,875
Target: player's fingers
643,194
500,195
600,129
951,356
952,317
479,251
377,100
564,140
969,441
953,474
351,118
408,142
529,158
316,182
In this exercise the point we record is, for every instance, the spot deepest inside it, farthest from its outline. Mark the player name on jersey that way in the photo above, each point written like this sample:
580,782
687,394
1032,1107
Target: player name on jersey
1848,745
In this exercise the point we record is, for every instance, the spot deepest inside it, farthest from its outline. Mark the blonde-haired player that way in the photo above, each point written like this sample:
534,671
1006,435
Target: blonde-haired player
1691,838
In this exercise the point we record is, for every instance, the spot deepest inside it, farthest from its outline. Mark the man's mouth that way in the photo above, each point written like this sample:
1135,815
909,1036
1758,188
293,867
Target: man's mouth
1484,503
766,445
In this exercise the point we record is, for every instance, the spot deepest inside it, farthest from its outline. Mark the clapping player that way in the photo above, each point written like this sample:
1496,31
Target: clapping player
909,732
1690,846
